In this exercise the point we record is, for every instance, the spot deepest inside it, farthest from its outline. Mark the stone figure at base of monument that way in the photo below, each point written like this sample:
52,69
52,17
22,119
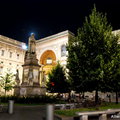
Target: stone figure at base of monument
43,81
17,78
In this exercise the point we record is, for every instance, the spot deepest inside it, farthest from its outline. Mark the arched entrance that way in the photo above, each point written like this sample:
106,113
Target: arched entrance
48,61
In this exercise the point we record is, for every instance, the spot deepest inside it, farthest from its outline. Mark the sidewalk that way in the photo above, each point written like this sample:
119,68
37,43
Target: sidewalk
25,113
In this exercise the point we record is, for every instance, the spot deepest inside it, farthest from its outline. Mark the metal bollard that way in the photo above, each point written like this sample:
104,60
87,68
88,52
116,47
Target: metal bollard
50,112
10,106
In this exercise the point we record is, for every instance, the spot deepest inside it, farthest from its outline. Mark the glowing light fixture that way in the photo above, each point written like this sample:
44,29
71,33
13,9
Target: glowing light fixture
32,33
24,47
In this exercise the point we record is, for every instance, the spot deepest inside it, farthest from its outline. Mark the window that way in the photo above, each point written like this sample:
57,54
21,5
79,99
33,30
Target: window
1,62
10,54
10,63
63,50
18,56
2,53
49,61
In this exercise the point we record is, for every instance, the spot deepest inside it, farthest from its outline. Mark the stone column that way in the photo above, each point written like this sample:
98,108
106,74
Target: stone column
50,112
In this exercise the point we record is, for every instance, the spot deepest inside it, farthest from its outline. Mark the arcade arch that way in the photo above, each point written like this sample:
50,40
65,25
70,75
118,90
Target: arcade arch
48,61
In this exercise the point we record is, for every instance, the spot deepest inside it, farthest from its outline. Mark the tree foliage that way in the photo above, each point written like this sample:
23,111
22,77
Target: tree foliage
112,70
7,81
57,80
91,53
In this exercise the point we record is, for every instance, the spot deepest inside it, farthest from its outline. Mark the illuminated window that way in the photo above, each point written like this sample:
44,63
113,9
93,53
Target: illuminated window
63,50
49,61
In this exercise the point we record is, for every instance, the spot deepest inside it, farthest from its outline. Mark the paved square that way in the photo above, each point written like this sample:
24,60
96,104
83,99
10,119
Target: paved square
25,113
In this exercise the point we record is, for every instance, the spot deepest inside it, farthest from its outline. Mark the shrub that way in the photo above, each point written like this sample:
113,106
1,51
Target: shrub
31,99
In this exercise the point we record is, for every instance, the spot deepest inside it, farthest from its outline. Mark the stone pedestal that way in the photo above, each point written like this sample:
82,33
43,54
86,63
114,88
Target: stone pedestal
30,90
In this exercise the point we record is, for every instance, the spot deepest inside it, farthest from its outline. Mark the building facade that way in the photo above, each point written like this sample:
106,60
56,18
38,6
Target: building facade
11,55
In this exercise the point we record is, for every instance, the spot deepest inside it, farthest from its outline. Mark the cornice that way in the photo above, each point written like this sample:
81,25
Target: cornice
55,36
9,41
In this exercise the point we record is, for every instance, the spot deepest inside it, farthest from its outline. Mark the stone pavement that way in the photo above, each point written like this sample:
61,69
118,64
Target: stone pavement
25,113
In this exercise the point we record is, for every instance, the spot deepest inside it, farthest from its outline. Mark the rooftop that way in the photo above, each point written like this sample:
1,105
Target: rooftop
11,41
60,34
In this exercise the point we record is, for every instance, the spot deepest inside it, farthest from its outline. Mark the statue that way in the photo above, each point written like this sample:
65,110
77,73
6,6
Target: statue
32,44
30,77
43,79
26,55
17,77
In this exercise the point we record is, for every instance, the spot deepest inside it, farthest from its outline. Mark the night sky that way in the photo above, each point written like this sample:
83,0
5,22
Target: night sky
18,18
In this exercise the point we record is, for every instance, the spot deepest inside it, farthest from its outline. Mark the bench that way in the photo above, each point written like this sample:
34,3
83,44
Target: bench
59,106
102,114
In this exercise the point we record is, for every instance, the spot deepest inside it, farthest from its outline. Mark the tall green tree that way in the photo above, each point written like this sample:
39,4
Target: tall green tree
89,54
7,81
57,82
115,81
112,69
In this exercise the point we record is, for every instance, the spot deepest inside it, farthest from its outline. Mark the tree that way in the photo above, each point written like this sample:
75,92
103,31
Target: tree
7,82
112,70
57,80
115,77
90,52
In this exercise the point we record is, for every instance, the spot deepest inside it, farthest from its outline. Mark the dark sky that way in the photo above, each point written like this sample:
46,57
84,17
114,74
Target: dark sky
18,18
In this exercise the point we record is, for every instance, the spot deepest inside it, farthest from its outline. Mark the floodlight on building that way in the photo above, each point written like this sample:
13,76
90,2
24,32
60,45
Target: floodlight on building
24,47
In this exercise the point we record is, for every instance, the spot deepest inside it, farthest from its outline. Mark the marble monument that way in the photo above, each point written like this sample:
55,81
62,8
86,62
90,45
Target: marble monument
30,85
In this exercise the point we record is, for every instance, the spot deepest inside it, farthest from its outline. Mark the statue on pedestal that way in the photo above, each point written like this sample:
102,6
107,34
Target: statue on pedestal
32,44
30,55
31,78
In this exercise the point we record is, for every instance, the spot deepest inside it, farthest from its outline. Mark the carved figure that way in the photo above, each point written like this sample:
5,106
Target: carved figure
17,77
44,77
30,77
43,83
32,44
